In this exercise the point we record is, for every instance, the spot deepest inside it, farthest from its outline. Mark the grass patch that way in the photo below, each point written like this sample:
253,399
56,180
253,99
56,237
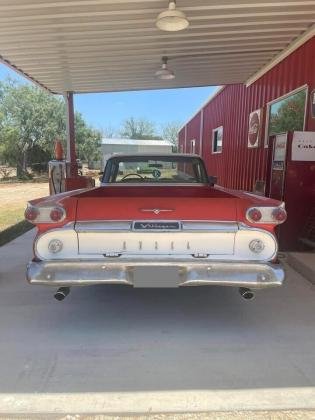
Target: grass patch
14,231
11,215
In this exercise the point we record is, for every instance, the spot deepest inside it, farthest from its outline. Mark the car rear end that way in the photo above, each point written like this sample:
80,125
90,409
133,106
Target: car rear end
122,234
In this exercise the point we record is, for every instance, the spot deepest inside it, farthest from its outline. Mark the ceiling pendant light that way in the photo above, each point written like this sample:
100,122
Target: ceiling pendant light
172,19
165,73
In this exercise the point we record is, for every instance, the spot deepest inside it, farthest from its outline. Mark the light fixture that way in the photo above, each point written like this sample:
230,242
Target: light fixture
165,73
172,19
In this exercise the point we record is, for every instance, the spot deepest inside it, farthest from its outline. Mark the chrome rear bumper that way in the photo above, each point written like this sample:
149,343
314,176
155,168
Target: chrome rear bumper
183,273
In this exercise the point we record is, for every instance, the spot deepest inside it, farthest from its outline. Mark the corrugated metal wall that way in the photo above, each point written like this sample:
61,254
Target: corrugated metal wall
239,166
193,133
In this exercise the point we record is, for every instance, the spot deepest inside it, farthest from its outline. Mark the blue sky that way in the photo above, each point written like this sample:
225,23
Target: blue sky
103,110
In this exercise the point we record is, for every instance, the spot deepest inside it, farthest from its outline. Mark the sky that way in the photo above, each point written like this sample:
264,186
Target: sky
109,110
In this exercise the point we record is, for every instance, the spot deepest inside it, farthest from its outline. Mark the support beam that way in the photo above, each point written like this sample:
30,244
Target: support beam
71,154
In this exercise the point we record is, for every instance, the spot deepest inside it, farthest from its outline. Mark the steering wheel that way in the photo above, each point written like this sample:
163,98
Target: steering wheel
126,176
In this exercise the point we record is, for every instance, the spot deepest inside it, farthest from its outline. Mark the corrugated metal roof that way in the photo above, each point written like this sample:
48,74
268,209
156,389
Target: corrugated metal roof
114,45
134,142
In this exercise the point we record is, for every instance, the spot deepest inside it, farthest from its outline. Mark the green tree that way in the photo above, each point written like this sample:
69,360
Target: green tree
88,141
140,129
288,115
29,117
30,122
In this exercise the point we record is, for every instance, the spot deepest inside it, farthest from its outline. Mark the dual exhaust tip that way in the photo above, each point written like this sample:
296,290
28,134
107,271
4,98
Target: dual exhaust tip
63,292
246,293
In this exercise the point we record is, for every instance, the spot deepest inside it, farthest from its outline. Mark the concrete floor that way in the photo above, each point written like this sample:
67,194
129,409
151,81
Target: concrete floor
193,349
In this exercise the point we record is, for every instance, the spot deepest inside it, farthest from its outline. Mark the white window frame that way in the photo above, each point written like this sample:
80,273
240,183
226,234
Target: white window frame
280,98
213,131
193,146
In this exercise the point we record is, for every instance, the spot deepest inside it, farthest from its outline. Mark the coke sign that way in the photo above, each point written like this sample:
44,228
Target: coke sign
254,128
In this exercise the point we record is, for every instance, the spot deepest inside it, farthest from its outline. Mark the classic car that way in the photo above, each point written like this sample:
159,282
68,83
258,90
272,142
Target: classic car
151,213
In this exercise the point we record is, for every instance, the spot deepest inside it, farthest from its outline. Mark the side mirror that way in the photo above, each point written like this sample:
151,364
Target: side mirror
213,180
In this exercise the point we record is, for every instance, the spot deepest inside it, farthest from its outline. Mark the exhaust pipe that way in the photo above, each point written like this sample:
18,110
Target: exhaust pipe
61,293
246,293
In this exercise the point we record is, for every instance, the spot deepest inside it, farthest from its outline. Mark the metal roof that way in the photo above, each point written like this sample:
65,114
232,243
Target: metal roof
135,142
114,45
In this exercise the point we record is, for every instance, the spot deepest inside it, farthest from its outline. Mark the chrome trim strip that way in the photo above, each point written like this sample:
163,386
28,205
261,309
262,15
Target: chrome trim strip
187,273
123,226
227,227
103,226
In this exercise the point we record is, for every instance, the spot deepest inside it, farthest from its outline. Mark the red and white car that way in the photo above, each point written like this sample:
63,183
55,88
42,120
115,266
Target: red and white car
154,213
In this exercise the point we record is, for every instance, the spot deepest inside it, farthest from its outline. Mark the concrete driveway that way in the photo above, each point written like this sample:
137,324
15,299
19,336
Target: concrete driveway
193,349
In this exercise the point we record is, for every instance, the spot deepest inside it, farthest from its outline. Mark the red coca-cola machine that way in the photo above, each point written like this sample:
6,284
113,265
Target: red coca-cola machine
291,178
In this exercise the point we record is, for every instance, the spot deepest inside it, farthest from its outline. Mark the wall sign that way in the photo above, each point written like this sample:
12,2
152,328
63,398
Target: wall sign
280,151
303,146
313,103
254,128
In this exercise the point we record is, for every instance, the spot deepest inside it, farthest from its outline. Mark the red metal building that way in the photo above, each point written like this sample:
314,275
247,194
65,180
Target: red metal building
237,165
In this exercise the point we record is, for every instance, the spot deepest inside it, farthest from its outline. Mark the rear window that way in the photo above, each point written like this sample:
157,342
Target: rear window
161,169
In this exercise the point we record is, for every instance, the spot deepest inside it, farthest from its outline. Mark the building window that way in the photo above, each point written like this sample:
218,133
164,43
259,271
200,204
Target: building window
217,138
286,113
181,148
193,146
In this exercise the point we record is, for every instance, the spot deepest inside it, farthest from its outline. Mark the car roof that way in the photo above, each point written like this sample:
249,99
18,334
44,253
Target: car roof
155,154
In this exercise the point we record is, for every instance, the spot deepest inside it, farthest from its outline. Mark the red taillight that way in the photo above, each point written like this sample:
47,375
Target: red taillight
37,214
279,215
267,215
56,214
31,214
254,215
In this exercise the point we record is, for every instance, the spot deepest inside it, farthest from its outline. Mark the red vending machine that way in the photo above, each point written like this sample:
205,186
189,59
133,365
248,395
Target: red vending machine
291,179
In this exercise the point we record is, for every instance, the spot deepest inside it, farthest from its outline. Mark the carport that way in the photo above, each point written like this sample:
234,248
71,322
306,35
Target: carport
72,47
118,351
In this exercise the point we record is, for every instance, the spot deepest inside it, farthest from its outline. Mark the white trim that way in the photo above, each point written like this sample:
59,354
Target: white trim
192,146
280,98
185,144
298,42
212,96
201,132
212,148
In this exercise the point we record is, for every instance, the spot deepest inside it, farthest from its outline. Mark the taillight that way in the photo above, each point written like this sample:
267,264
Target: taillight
279,215
31,213
268,215
57,214
254,215
45,214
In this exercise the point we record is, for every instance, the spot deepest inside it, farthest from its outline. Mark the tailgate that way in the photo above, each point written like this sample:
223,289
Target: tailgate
160,208
180,225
